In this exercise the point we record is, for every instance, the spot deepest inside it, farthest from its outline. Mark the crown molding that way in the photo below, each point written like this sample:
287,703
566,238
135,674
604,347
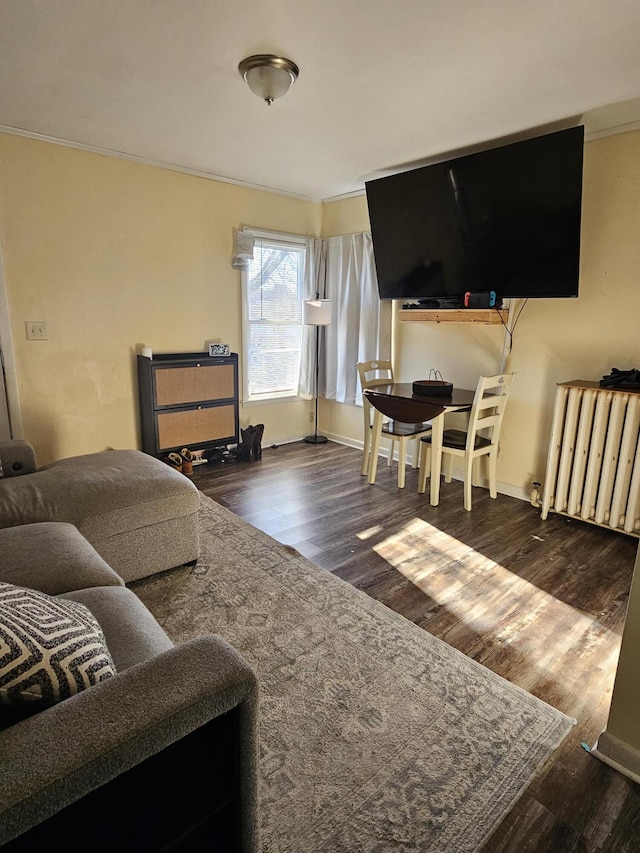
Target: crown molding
590,135
343,196
158,164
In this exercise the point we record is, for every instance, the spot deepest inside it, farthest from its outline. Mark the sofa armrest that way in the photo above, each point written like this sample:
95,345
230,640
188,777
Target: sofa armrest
17,457
58,756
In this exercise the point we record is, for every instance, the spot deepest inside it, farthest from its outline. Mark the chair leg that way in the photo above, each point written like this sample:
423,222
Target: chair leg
402,454
390,453
366,451
424,467
468,471
448,467
475,477
493,472
375,447
416,453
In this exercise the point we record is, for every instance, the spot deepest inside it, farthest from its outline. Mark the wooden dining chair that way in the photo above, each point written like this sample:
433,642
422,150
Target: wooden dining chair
480,439
374,374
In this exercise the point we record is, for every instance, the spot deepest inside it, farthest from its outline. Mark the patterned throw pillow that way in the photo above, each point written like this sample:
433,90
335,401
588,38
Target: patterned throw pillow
50,649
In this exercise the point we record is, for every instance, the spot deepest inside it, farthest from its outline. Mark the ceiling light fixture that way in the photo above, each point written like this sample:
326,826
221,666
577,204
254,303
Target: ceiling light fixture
268,76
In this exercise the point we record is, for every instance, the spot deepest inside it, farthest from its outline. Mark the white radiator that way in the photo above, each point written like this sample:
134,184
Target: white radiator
593,467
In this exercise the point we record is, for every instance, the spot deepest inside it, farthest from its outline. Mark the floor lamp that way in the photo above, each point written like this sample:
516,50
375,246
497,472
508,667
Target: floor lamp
316,312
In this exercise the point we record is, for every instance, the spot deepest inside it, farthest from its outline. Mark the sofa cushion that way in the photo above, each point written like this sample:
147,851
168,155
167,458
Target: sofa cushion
131,631
102,494
50,649
52,557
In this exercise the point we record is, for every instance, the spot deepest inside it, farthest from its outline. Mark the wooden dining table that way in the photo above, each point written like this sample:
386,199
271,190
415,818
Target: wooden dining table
398,401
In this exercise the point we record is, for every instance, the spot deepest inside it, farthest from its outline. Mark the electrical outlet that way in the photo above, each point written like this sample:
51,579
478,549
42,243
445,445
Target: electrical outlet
36,330
311,417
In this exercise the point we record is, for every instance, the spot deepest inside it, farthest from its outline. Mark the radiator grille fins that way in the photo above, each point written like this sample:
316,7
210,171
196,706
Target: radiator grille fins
593,467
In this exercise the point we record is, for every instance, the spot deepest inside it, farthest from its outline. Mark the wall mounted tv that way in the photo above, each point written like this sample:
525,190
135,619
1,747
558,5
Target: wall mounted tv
505,219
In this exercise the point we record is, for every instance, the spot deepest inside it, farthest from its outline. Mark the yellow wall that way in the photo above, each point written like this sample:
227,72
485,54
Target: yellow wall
554,340
114,254
348,216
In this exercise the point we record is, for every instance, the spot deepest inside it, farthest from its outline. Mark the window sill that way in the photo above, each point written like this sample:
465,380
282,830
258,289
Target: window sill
270,401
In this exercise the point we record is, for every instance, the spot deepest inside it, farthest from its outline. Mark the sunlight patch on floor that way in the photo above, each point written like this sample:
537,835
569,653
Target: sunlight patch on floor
371,531
485,595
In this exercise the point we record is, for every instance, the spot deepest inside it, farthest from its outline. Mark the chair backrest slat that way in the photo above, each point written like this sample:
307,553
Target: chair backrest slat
489,403
373,374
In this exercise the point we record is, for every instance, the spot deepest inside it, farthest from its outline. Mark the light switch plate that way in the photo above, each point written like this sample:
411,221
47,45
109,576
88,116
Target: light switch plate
36,330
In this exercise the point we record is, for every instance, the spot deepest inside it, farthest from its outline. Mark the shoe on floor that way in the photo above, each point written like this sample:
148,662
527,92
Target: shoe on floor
187,461
174,460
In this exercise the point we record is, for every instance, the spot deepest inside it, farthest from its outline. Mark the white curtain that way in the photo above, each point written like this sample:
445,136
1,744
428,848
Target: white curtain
343,269
361,322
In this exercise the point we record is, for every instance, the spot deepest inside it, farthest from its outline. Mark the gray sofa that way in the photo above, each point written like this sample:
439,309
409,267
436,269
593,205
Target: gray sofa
139,514
160,756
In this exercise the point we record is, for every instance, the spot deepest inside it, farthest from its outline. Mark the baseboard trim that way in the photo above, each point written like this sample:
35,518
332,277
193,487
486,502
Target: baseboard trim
285,439
344,439
618,754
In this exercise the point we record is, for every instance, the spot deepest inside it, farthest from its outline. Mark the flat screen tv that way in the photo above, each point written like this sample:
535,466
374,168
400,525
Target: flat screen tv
505,219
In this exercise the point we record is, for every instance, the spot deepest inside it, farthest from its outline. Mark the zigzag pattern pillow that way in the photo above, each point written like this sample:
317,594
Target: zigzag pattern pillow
50,649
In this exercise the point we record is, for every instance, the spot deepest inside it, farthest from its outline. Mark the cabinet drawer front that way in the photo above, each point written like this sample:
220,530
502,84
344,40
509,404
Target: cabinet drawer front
178,385
195,426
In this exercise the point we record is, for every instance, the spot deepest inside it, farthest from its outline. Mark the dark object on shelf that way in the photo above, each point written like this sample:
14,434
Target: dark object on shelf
441,303
434,386
622,379
480,300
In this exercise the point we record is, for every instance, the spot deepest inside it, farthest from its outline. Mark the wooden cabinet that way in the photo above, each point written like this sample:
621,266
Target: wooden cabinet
188,400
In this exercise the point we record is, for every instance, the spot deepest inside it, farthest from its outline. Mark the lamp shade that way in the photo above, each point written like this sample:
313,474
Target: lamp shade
316,312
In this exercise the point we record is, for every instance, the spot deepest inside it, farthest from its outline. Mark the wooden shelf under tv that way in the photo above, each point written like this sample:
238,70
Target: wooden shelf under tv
479,316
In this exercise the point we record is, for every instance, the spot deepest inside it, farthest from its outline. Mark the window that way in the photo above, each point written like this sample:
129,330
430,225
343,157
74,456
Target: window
272,317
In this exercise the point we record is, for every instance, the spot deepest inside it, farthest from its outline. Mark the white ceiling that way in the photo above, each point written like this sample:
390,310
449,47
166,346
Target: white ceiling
383,85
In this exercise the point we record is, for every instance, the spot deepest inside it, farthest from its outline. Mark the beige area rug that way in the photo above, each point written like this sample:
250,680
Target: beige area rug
375,736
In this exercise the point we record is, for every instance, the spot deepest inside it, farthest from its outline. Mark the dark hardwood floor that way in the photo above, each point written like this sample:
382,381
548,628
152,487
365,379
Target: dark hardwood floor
542,603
